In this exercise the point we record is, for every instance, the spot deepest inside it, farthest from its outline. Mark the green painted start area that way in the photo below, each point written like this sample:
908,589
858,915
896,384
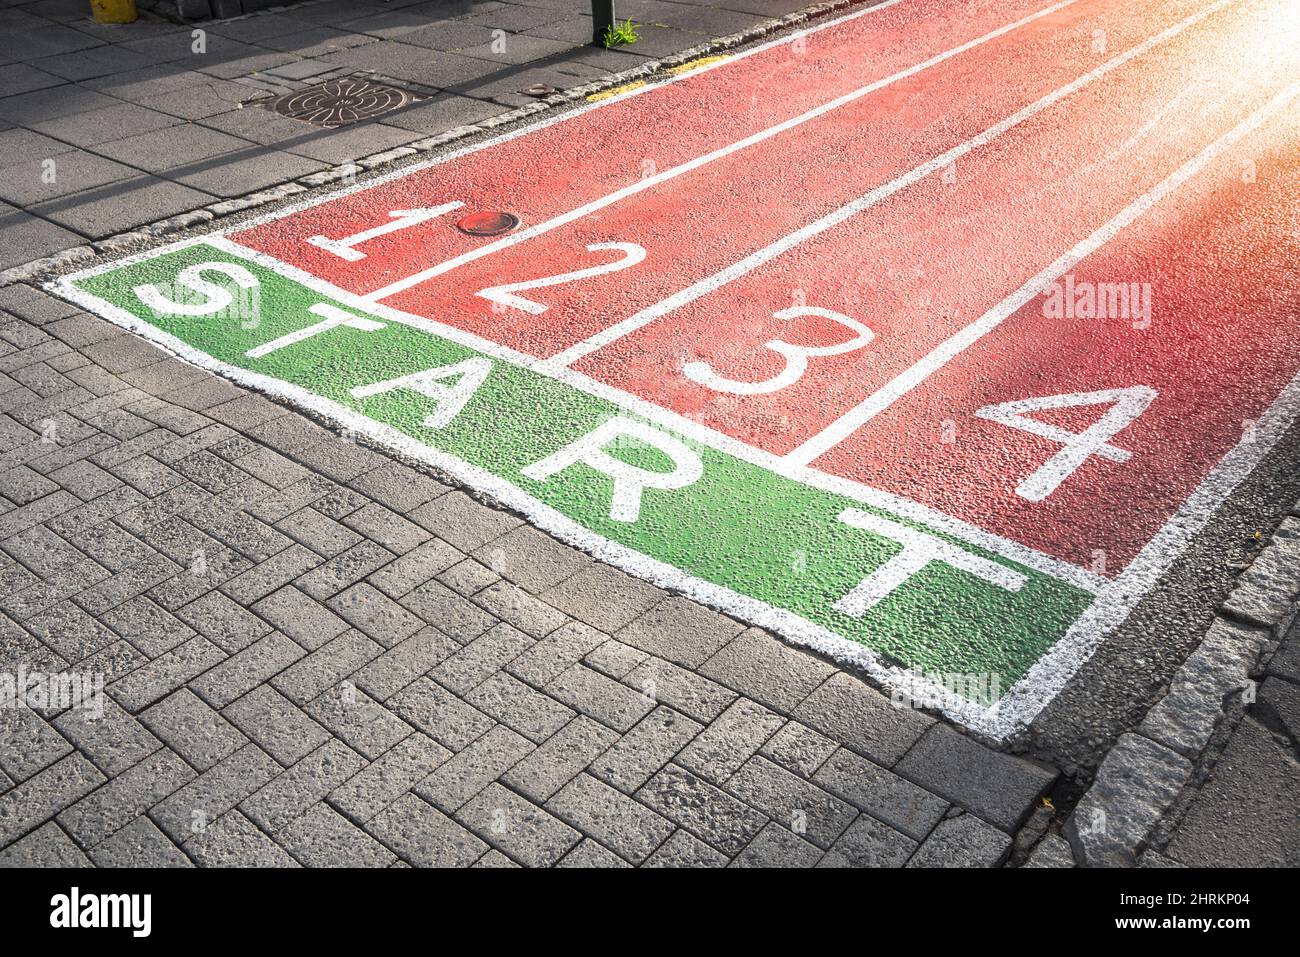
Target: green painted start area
828,569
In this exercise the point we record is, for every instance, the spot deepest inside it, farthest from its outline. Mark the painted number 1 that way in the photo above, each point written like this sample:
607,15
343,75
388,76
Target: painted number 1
345,248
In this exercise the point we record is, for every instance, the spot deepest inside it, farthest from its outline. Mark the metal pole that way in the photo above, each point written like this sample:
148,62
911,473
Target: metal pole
602,16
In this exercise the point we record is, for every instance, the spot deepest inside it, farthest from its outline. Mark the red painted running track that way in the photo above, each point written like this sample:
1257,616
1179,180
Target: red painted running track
697,224
1059,123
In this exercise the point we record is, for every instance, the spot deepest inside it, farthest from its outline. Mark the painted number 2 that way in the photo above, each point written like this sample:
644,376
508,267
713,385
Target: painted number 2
796,357
505,294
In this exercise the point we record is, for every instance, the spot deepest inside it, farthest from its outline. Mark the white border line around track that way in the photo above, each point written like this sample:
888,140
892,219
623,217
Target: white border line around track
1115,599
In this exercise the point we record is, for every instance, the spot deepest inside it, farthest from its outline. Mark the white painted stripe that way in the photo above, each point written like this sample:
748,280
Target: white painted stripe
877,195
1082,578
952,347
632,189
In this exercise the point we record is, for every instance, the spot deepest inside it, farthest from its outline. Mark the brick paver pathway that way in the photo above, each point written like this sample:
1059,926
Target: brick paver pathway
315,654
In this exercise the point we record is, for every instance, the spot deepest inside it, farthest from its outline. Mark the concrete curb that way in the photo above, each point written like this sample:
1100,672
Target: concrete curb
39,268
1143,777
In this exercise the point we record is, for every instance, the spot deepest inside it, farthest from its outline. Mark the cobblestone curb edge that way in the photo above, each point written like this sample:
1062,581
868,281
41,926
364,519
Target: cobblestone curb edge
1147,771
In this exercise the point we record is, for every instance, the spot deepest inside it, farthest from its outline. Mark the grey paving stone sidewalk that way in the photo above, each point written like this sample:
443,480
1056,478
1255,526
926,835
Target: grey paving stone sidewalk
107,128
1240,810
316,655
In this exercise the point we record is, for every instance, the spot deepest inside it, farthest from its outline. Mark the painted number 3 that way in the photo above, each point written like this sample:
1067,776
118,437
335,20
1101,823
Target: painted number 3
796,357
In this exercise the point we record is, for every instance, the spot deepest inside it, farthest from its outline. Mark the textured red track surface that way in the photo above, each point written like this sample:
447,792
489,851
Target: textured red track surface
1218,256
933,258
1221,263
696,224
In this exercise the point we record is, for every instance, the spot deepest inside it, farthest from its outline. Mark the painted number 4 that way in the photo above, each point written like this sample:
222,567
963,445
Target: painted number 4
1076,447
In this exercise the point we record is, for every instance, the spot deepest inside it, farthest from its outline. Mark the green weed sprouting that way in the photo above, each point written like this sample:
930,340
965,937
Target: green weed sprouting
617,35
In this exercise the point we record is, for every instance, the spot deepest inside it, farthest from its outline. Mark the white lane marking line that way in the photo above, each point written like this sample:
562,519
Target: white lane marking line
672,172
877,195
1079,577
952,347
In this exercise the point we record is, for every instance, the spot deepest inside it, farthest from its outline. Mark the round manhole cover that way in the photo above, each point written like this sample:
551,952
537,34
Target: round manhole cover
340,102
491,222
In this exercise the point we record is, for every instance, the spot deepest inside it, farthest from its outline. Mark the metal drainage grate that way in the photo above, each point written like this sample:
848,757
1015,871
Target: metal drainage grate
340,102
